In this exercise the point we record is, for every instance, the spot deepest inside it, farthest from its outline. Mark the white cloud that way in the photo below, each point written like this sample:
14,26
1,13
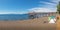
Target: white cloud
48,7
38,9
52,3
47,3
55,1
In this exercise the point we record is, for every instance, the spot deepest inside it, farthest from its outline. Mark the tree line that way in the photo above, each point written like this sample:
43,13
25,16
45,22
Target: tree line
58,8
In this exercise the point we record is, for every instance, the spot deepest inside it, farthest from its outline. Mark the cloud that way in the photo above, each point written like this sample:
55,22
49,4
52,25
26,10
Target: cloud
50,6
52,3
55,1
38,9
47,3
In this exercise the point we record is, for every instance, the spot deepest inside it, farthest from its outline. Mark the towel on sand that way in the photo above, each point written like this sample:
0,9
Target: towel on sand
52,20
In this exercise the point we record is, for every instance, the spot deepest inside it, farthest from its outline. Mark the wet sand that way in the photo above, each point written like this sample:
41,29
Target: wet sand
31,24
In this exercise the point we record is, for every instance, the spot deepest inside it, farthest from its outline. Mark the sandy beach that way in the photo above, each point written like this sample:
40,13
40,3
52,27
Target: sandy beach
31,24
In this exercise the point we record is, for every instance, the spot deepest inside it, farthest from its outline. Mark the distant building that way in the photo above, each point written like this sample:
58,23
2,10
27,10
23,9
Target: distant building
32,15
42,14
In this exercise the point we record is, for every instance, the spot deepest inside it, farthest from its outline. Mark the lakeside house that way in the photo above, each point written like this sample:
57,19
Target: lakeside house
41,14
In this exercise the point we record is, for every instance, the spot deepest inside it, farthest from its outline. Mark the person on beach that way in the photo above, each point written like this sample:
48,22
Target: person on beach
57,18
31,16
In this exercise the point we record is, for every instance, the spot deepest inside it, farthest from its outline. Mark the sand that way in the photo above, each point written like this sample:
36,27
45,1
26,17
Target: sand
31,24
58,25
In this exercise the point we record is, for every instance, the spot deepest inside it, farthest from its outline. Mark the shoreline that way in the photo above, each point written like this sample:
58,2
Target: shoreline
32,24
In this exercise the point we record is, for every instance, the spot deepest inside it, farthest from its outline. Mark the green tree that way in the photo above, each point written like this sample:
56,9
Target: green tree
58,8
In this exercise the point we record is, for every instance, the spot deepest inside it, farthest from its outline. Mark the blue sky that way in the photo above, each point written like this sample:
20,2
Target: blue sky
25,6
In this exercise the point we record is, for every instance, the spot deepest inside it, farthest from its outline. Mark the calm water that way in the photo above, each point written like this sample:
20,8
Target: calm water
7,17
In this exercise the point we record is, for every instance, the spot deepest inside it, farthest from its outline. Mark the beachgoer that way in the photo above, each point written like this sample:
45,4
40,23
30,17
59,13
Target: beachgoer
57,18
49,18
31,16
